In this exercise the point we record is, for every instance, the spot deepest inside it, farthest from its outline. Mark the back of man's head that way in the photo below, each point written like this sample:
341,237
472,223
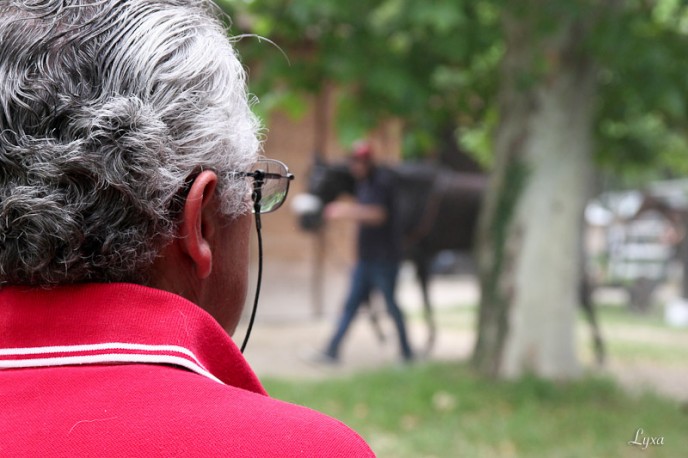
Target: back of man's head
107,109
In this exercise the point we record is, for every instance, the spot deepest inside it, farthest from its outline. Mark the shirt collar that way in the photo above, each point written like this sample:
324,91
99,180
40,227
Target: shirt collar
116,323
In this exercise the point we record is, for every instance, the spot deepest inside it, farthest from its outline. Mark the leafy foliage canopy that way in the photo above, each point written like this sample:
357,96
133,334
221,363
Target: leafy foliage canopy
434,64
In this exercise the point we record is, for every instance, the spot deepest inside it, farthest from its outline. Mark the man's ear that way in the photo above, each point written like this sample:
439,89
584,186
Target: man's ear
198,223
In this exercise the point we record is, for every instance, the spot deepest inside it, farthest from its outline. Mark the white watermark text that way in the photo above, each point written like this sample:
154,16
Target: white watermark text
641,440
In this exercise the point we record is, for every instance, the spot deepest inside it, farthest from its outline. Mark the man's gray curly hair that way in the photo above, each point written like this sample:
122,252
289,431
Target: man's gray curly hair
107,109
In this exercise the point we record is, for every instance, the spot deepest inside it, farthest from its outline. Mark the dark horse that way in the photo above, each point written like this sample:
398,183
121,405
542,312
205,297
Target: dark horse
437,209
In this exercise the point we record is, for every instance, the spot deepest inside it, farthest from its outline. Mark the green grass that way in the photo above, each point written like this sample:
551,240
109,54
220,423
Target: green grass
461,317
657,353
445,410
616,314
632,337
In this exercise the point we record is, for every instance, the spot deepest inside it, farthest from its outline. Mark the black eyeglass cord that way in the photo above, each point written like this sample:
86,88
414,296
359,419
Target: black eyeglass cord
256,210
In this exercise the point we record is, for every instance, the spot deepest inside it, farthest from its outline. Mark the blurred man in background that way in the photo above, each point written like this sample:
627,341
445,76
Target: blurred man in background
379,248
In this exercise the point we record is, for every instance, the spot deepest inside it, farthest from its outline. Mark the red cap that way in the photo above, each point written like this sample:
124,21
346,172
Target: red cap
362,150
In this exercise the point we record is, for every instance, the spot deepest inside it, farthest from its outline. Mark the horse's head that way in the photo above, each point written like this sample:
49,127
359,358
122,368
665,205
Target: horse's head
325,183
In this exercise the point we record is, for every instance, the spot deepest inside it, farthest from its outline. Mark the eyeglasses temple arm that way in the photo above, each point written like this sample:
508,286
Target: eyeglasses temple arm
258,280
257,195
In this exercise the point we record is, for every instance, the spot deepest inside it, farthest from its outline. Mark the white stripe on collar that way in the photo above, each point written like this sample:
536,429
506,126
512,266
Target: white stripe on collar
152,355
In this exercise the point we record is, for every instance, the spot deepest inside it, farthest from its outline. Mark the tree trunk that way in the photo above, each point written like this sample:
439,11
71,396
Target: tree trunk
530,230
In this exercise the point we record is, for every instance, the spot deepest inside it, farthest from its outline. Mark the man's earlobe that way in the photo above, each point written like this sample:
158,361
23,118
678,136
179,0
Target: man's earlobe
197,227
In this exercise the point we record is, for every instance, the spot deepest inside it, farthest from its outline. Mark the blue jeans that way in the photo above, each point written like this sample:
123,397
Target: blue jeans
368,276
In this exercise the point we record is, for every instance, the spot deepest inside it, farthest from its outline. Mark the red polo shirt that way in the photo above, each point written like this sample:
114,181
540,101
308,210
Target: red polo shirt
124,370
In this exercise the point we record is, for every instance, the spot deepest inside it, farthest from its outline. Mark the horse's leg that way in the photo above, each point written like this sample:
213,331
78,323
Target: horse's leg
374,318
422,263
591,315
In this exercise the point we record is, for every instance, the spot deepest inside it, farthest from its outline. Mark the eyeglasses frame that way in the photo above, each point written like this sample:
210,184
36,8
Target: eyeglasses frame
259,177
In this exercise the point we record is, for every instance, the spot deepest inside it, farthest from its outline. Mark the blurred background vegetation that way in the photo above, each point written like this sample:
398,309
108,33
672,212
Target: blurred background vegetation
461,76
435,65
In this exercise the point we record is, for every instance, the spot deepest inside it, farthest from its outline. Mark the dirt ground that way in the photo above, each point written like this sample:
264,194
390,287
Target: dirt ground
288,332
